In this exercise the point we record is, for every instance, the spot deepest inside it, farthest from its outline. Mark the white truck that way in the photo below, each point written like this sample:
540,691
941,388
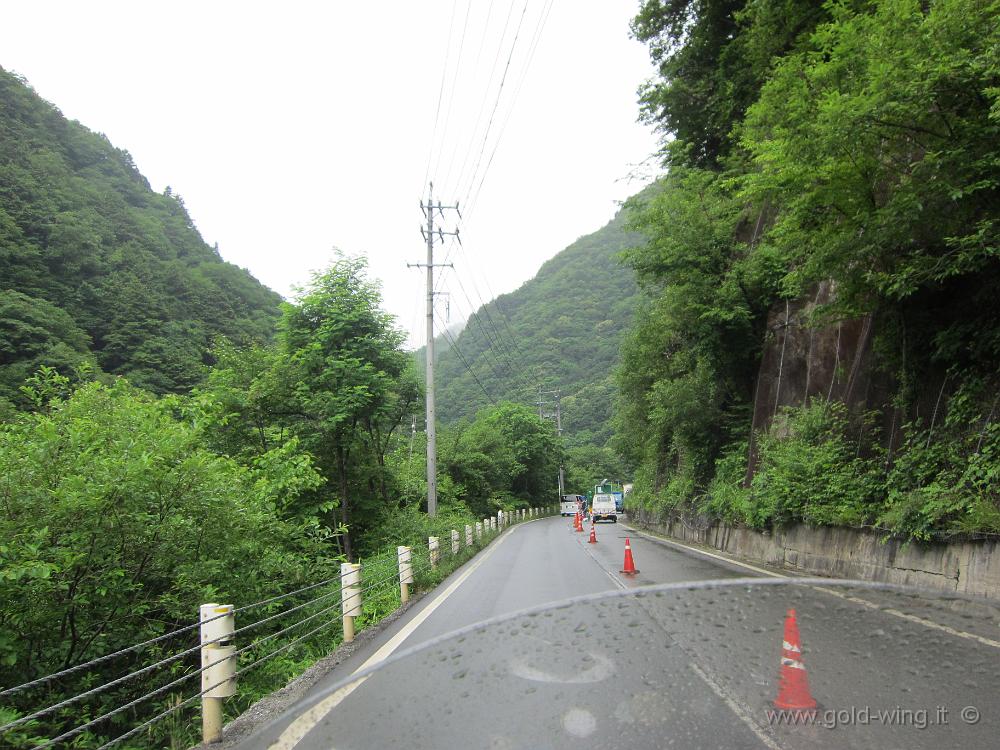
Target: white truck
603,507
570,504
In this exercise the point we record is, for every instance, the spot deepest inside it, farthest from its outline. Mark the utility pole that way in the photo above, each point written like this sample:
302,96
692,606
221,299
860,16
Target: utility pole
558,416
429,234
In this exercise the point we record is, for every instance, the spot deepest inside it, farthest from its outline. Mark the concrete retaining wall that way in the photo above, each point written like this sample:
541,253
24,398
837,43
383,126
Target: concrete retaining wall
971,568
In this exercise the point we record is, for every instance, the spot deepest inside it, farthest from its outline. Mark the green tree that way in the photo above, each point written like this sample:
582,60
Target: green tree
712,56
880,145
337,380
506,457
688,365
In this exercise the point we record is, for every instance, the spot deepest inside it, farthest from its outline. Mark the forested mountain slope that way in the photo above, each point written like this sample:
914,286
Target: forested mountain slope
558,331
97,267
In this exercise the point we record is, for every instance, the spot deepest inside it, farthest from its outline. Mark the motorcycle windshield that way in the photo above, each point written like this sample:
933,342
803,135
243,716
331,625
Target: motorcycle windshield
741,663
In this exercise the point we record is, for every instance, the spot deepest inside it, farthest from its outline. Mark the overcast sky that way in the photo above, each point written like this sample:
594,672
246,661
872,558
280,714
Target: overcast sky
293,128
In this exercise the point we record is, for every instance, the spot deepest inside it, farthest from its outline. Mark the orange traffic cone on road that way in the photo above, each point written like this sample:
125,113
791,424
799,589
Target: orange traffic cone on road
593,534
629,568
793,683
579,522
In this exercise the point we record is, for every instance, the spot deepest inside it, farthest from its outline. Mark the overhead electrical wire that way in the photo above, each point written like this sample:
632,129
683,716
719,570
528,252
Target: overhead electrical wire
496,103
486,93
497,373
437,111
504,348
454,83
468,367
494,343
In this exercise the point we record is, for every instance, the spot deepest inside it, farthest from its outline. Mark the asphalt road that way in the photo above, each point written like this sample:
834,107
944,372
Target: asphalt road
667,667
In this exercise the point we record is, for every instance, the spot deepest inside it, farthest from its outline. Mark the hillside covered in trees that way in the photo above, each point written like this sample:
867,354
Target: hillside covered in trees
819,337
98,269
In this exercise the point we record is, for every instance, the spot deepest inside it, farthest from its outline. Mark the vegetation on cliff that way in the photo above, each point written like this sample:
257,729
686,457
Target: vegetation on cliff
852,143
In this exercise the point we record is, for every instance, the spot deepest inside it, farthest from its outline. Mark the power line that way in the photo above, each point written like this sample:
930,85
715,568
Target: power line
486,91
533,46
437,112
454,82
496,346
468,367
496,103
495,343
496,373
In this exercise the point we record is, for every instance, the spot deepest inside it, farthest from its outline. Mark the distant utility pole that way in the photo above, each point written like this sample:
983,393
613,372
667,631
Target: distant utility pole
558,415
429,234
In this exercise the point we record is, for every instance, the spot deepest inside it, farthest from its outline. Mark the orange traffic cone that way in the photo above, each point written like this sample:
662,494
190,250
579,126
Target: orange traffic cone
593,534
793,683
579,522
629,568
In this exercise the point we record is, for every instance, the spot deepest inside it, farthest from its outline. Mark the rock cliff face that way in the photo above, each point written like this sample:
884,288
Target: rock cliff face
803,360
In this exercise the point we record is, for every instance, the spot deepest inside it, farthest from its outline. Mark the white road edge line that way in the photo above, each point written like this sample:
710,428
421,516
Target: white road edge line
736,708
854,599
298,729
911,618
672,543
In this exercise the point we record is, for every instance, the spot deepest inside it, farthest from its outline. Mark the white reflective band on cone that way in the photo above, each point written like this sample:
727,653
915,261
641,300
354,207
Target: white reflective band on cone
786,662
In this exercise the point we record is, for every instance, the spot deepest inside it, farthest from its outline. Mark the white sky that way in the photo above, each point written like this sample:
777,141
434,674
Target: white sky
292,128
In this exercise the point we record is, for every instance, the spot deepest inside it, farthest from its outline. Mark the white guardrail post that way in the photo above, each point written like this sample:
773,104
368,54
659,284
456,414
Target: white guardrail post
468,535
454,542
405,573
218,666
350,597
434,545
479,530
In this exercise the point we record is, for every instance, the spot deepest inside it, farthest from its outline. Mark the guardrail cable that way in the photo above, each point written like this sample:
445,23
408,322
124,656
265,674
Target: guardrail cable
283,613
420,560
195,697
151,667
101,659
290,593
82,728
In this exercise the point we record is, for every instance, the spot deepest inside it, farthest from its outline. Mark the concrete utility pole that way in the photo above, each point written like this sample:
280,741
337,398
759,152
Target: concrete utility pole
429,233
558,416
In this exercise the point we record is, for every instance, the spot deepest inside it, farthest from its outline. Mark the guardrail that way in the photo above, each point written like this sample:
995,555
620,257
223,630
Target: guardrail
362,595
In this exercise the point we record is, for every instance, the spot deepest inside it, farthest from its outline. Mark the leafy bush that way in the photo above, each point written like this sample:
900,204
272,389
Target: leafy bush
947,478
810,470
727,498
